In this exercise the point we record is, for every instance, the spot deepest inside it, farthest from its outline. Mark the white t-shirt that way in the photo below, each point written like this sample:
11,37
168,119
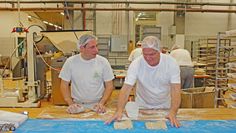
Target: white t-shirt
153,83
182,56
134,54
87,77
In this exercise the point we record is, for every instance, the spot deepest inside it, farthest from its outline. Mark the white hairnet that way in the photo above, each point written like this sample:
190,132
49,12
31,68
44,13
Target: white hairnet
84,39
151,42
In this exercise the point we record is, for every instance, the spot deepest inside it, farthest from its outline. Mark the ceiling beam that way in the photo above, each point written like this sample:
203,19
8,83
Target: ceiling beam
118,2
119,9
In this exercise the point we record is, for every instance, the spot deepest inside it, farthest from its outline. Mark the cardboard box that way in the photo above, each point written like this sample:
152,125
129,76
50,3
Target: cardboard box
200,97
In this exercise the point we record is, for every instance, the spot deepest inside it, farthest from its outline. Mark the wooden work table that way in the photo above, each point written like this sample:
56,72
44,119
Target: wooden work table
49,111
55,119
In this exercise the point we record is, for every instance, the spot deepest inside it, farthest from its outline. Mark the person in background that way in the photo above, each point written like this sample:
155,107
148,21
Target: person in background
136,52
90,76
183,58
158,82
165,50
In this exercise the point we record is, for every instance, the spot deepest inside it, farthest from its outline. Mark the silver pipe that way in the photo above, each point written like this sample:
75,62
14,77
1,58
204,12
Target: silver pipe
123,2
119,9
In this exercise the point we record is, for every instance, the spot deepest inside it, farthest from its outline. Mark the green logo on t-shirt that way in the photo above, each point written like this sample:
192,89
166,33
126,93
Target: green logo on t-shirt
96,75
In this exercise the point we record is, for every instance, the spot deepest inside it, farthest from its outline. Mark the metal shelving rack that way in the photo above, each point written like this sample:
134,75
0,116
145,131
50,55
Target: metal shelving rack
230,97
207,55
223,50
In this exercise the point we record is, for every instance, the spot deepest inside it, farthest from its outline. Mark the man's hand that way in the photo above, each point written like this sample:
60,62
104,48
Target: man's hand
173,120
75,108
116,117
99,108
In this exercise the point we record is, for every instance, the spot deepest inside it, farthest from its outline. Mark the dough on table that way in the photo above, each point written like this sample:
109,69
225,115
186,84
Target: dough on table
156,125
124,124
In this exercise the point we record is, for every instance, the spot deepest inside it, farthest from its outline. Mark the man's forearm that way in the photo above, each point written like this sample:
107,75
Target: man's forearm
107,92
175,98
65,90
123,97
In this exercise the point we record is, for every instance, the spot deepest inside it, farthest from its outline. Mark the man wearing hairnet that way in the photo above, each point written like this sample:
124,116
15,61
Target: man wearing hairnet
90,76
158,82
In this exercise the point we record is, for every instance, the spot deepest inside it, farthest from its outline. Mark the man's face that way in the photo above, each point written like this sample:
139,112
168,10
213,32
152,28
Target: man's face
90,50
151,56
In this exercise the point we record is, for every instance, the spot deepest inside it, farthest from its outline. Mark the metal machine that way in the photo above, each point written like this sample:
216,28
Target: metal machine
31,86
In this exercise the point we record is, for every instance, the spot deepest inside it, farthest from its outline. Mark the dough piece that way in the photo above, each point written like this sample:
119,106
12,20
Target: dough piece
75,109
124,124
156,125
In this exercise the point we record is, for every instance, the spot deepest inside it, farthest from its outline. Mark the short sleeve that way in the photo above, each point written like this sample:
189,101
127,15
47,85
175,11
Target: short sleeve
108,73
132,73
131,58
65,73
174,71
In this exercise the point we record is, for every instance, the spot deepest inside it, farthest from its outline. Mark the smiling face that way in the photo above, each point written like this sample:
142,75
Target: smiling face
151,56
89,50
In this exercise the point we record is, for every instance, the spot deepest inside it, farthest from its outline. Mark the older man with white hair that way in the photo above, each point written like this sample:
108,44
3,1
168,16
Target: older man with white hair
158,82
90,76
183,58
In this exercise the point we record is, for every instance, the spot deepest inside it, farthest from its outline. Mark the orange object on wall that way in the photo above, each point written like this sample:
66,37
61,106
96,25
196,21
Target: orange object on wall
131,46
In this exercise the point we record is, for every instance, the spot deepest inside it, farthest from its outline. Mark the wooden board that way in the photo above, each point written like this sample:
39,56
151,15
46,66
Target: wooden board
48,111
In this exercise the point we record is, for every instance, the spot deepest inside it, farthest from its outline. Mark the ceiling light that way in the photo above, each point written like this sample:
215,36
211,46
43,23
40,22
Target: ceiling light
50,24
45,22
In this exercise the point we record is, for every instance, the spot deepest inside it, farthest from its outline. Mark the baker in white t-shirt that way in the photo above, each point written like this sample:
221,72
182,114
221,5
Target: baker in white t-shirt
136,52
183,59
90,76
158,82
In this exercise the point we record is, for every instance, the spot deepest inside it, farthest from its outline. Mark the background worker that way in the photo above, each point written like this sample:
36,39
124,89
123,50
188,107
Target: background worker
183,58
136,52
165,50
158,82
90,76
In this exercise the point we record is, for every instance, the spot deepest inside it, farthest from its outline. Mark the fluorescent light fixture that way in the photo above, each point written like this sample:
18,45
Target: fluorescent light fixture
62,13
50,24
45,22
29,16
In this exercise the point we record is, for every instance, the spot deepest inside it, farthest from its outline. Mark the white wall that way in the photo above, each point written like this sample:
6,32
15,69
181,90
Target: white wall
205,23
166,19
104,22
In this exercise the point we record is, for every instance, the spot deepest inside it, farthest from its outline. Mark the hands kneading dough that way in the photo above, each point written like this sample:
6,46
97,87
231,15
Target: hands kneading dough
78,108
99,108
75,108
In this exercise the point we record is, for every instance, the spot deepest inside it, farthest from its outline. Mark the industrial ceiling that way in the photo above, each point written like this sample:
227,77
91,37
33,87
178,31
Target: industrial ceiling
49,10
